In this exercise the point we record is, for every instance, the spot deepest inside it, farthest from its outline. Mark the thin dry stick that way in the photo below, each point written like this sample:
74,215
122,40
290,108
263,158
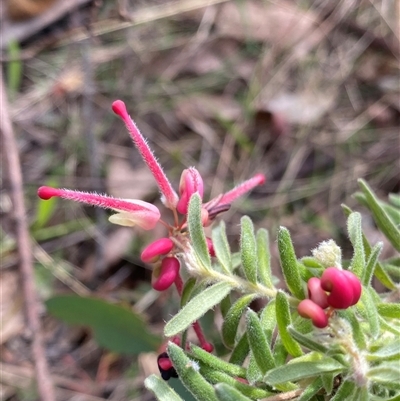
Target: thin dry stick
45,386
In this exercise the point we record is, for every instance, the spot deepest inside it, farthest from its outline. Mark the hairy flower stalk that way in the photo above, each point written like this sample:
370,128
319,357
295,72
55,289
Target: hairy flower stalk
164,252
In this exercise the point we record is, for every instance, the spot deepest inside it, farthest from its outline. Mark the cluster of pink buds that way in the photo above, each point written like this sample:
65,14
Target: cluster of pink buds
163,252
336,289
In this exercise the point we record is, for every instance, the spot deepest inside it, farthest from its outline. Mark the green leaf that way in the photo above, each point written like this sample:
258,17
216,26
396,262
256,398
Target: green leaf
371,264
268,320
264,258
241,350
387,373
355,234
188,290
258,343
216,362
248,249
394,199
328,381
311,390
307,341
253,374
196,232
301,370
389,310
388,351
161,390
115,327
188,372
385,224
357,332
371,311
215,376
225,392
196,308
232,318
345,391
221,247
289,263
284,320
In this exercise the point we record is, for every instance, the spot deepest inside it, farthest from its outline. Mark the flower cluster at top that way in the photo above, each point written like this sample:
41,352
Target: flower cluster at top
163,252
336,289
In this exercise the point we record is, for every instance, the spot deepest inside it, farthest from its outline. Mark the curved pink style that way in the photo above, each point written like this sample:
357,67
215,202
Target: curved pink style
157,248
190,183
310,310
169,196
316,293
167,274
132,212
241,189
340,288
356,285
210,246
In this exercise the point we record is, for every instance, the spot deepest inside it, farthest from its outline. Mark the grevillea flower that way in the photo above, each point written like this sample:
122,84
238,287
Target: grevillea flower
131,212
336,289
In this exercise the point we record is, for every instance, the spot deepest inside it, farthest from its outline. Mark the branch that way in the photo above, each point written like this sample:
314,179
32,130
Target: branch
45,387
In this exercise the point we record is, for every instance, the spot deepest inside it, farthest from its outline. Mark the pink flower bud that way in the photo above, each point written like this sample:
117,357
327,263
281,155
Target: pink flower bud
165,275
339,286
356,285
131,211
316,293
208,347
210,247
165,366
191,182
310,310
153,251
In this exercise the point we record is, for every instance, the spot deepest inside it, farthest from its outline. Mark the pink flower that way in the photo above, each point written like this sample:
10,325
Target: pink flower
311,310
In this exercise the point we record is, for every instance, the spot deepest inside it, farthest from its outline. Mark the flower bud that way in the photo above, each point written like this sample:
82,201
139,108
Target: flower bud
153,251
328,253
165,275
356,285
191,182
207,347
316,293
165,366
310,310
340,288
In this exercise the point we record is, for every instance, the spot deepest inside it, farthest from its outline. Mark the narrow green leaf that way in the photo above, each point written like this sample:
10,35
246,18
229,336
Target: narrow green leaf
280,352
248,249
385,224
301,370
389,310
357,332
225,305
345,391
187,290
389,326
225,392
253,374
115,327
196,308
217,363
268,320
289,263
161,390
307,341
221,247
264,258
394,199
311,390
196,231
188,372
311,263
355,234
371,264
284,320
387,373
328,381
215,376
241,350
388,351
371,311
258,343
232,318
380,273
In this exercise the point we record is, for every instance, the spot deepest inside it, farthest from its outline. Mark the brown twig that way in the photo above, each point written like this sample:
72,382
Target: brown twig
45,387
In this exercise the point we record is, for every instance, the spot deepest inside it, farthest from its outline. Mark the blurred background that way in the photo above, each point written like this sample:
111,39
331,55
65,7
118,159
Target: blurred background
306,92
